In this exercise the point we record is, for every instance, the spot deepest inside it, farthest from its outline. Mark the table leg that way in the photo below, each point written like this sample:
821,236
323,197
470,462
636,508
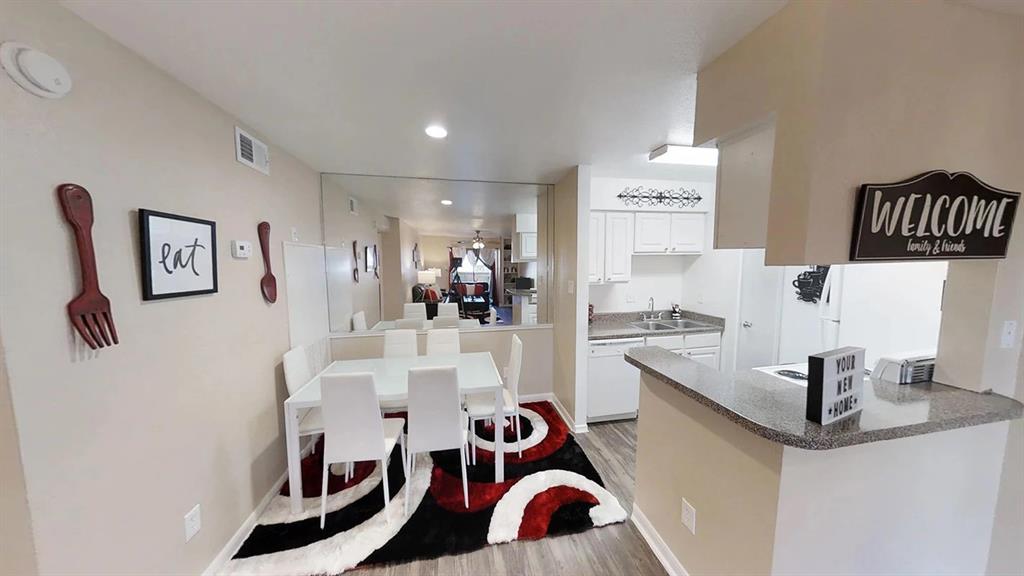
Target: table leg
291,434
499,436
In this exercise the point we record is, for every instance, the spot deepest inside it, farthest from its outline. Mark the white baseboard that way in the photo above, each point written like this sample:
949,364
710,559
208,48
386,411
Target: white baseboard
243,531
661,550
542,397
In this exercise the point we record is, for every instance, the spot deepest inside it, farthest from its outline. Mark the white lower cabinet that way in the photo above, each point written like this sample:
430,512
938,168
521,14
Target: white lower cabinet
704,348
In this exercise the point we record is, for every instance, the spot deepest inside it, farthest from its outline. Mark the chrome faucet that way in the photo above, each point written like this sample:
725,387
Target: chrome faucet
650,305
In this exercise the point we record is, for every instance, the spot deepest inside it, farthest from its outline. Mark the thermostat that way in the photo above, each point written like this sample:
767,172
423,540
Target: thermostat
241,249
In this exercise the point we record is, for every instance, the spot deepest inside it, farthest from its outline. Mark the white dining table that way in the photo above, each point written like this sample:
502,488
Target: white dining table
476,371
464,324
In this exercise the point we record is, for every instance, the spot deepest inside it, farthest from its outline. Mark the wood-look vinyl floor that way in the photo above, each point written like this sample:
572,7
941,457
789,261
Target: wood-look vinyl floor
614,550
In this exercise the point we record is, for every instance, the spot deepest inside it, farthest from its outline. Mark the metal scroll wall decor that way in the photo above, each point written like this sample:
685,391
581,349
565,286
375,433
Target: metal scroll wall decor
355,261
640,197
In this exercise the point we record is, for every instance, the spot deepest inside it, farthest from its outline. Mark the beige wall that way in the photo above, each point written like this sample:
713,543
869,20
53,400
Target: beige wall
537,351
397,271
730,476
563,302
118,446
849,111
341,228
17,553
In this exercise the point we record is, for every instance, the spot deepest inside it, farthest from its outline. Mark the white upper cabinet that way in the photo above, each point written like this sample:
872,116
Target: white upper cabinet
618,259
669,233
595,248
687,233
528,245
653,232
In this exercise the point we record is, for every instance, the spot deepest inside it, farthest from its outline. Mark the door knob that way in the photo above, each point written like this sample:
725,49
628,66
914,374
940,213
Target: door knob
747,324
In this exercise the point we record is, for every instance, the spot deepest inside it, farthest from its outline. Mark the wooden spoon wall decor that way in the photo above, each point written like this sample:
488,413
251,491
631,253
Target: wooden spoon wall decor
90,310
268,284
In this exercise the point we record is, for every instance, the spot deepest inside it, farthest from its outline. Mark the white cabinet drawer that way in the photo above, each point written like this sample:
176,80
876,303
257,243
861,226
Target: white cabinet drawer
700,340
708,356
667,342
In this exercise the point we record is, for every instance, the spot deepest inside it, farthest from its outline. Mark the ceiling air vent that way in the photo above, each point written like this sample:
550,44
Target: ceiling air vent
251,152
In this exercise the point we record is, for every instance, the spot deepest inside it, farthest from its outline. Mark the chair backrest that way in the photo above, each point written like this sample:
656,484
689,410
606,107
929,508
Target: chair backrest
446,321
399,343
492,316
296,369
409,323
436,420
514,369
359,320
415,310
318,355
353,427
445,341
447,309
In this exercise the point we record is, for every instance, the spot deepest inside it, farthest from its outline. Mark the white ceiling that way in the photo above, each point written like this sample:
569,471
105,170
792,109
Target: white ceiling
486,206
526,90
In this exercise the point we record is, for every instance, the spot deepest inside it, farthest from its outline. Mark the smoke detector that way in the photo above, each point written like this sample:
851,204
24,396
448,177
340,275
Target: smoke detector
35,71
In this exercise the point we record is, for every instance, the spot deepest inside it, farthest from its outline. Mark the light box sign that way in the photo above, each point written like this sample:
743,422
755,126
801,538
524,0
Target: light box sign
835,384
933,216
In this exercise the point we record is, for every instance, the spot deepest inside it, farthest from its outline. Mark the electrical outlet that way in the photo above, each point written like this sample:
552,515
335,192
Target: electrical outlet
1008,336
193,522
295,234
570,287
689,517
630,299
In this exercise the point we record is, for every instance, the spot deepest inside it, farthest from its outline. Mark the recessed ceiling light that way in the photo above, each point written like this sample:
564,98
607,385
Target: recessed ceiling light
672,154
446,202
436,131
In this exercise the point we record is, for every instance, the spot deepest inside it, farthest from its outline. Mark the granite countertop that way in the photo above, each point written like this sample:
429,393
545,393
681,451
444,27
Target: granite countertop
521,291
617,325
774,408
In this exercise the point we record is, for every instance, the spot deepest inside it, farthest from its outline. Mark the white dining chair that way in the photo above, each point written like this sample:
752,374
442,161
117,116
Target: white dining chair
359,321
492,316
415,310
442,342
481,406
409,323
354,430
436,419
447,309
297,373
400,343
446,321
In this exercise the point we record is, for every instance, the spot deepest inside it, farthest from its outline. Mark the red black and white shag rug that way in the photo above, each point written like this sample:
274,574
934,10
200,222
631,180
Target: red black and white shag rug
552,489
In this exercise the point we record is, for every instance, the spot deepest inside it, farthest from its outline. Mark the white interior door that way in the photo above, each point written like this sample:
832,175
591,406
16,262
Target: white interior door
760,291
595,248
618,238
653,232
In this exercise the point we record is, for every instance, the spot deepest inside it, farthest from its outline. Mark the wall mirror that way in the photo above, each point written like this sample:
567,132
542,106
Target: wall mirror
476,254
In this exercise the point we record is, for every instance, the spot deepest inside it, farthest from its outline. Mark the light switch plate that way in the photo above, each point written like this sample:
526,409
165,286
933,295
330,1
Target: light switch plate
193,522
241,249
689,517
295,234
1008,337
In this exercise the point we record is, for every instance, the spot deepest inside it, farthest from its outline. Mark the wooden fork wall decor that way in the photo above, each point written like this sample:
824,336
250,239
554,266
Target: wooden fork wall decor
90,310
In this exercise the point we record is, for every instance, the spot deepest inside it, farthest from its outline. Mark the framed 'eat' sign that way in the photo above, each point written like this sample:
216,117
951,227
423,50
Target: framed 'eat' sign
179,255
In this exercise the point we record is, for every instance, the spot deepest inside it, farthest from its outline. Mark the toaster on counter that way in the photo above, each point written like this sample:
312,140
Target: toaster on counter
907,368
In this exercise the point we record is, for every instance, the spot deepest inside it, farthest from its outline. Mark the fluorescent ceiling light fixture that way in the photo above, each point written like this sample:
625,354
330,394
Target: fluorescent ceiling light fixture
436,131
672,154
446,202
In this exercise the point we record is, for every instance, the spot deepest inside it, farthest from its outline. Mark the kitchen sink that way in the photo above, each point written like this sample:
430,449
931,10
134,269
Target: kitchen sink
651,325
683,324
659,325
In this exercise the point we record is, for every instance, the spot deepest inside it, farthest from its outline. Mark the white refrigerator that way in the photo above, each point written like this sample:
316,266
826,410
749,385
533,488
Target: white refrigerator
887,309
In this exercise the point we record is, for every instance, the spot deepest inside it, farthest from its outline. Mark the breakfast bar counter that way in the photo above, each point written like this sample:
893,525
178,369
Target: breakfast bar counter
729,463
